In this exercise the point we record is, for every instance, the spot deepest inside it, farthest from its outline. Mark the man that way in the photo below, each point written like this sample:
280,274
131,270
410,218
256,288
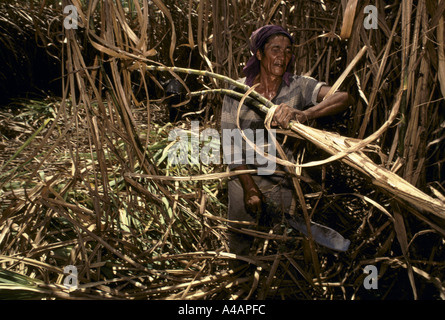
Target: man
299,98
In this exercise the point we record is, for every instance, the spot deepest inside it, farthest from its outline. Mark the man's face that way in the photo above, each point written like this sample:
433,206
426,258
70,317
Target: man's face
276,57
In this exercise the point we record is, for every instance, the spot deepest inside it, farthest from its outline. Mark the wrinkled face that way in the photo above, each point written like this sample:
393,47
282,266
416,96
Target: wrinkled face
276,56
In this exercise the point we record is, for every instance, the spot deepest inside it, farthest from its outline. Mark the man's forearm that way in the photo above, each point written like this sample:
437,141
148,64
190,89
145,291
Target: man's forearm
252,194
246,179
332,105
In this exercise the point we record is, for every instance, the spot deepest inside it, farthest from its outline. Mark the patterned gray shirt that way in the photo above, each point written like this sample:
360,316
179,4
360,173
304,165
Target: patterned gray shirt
301,93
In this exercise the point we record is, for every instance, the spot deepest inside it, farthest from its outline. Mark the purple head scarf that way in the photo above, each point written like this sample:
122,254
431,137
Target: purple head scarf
257,40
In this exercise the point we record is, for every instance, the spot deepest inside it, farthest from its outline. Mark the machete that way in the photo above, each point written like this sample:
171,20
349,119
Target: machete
321,234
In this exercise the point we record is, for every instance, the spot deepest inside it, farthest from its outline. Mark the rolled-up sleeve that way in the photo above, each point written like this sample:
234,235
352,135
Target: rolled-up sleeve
310,89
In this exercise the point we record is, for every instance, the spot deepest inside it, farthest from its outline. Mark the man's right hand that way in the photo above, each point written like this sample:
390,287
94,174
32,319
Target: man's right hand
253,197
253,200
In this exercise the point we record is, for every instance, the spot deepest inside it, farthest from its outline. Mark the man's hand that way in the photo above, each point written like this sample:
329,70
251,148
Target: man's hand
334,104
253,200
284,114
253,197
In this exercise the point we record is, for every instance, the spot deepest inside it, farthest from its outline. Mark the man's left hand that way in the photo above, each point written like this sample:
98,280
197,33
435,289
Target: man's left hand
284,114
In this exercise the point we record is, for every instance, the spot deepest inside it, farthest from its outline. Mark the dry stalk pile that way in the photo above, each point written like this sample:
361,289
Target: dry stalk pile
91,186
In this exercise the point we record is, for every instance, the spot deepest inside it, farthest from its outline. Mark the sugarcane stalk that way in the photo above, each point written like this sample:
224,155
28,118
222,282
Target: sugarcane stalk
264,104
249,100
